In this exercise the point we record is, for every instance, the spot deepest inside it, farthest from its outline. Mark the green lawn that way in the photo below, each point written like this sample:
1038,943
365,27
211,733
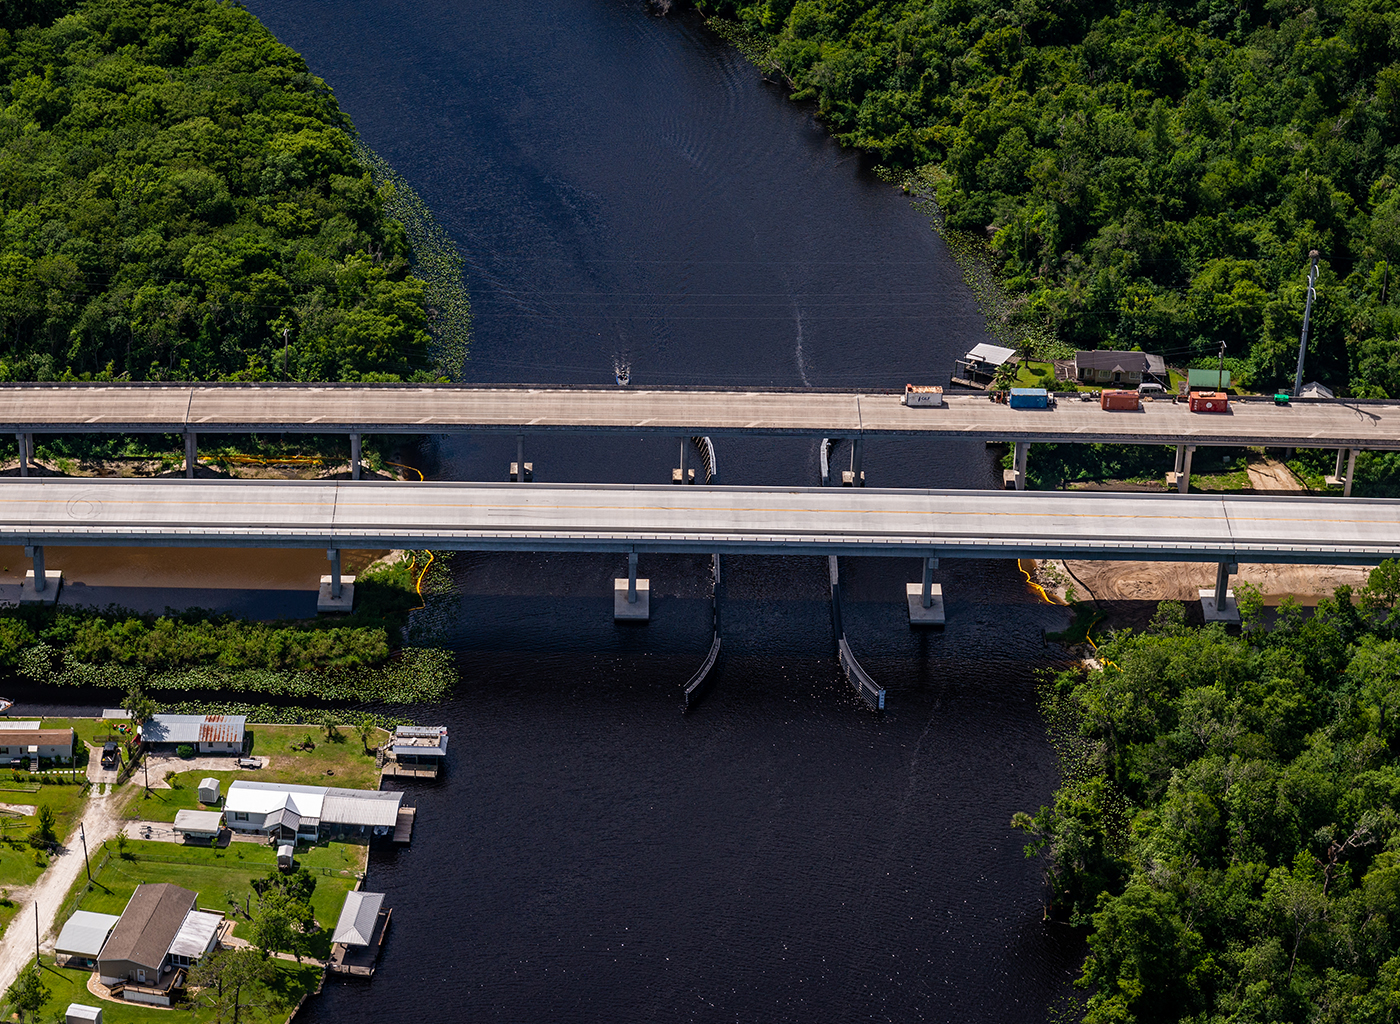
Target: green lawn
213,873
20,864
70,986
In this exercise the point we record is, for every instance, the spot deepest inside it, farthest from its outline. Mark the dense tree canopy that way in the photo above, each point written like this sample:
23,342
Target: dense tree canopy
176,192
1228,823
1150,173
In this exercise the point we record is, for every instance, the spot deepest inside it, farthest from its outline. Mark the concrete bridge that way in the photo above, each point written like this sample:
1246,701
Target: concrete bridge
358,409
633,520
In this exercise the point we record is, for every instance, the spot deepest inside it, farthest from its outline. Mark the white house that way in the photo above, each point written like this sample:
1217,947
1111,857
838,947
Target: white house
288,811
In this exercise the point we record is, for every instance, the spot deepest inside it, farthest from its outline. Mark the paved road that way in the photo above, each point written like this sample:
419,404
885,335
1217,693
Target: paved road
563,517
393,409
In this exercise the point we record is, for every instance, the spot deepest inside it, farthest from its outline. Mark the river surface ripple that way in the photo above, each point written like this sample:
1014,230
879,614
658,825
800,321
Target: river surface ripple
627,191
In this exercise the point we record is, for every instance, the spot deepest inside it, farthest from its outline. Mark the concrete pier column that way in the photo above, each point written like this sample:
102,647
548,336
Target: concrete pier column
1180,457
520,470
26,452
1218,605
925,600
1183,479
1016,475
354,456
1343,479
191,455
40,585
682,475
855,476
631,597
337,594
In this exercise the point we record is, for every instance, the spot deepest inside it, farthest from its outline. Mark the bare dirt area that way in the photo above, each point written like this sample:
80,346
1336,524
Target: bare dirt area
1270,475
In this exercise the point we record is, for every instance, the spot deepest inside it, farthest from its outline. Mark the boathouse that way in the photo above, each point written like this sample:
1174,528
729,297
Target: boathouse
421,748
359,934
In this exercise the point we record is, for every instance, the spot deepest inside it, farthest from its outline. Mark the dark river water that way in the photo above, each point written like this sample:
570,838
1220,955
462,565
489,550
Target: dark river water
627,191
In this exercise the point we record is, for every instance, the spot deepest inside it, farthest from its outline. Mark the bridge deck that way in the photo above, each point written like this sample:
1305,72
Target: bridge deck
389,409
537,517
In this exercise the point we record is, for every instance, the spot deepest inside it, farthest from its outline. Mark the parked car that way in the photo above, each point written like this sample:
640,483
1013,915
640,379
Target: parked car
18,762
111,756
1151,389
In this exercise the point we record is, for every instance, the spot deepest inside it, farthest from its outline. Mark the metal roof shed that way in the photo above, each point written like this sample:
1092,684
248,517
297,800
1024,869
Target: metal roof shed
201,824
81,1013
85,933
357,917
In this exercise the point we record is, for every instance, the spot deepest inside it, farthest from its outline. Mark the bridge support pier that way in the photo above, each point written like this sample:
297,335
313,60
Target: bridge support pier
1016,476
1181,477
40,585
925,600
521,472
679,476
354,456
631,597
855,476
26,452
1218,605
1337,479
191,455
337,594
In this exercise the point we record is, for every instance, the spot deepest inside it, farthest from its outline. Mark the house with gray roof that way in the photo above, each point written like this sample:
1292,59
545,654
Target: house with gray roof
1115,367
287,811
207,734
135,962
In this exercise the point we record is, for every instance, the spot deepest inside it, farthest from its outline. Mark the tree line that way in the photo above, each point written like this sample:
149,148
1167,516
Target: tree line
180,199
1149,174
1227,825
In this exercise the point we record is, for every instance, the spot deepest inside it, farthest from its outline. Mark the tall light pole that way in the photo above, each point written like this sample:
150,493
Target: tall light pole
1307,316
82,833
1220,378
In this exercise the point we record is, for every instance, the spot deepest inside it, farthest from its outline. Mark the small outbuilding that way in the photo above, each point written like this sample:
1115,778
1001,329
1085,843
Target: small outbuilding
83,936
285,857
199,826
209,791
81,1013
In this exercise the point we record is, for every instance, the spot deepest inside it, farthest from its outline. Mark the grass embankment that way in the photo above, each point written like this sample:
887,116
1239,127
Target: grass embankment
350,658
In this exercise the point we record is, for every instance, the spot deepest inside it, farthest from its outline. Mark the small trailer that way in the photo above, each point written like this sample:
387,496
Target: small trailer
918,394
1210,401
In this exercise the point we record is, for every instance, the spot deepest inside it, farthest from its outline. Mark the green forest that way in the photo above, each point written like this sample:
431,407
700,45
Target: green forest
1226,823
1149,174
180,199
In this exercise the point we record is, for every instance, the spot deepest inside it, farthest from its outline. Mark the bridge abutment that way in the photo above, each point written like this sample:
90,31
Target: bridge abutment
337,593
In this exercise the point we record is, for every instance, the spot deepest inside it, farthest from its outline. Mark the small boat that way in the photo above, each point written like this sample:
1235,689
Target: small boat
5,704
623,375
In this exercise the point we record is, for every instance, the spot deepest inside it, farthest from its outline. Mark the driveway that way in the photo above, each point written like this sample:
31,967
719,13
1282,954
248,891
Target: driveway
100,821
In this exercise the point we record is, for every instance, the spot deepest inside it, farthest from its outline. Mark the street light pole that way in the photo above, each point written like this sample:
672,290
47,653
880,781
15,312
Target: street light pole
1220,378
82,833
1307,316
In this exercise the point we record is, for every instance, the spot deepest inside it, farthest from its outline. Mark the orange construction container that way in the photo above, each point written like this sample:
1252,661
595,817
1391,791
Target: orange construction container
1119,400
1210,401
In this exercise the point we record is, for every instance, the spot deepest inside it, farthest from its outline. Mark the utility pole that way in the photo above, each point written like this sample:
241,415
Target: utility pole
1307,316
286,342
36,933
1220,379
82,833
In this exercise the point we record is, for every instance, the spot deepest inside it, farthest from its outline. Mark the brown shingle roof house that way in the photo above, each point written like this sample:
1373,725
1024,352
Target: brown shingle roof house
138,949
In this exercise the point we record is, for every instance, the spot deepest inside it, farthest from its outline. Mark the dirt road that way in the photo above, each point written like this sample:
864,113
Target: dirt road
100,821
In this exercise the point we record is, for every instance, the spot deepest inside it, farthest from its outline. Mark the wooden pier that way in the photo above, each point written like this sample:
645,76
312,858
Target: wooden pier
403,828
360,961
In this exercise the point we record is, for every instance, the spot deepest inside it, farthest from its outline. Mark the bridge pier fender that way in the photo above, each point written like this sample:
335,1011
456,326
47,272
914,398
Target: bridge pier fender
354,456
40,586
925,600
1338,479
1219,605
191,453
631,597
337,593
